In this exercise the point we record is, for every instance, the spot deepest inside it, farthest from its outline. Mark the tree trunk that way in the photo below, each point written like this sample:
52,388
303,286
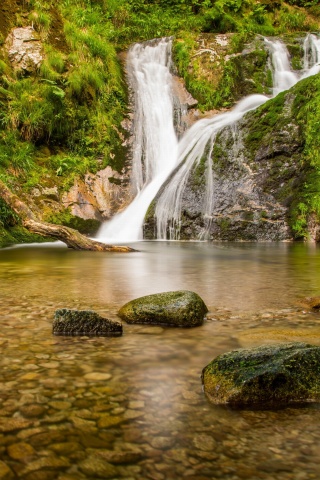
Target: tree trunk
67,235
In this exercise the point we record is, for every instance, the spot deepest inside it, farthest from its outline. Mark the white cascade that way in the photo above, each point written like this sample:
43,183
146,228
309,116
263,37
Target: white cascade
156,152
282,75
198,142
192,148
311,60
155,141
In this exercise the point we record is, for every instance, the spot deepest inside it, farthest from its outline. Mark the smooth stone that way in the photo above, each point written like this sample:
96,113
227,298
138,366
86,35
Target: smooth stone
50,463
162,443
268,375
95,466
175,309
60,405
11,424
131,414
31,411
84,322
204,442
110,421
20,451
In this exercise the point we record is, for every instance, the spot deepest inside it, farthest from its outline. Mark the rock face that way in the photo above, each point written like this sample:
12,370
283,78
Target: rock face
268,375
84,322
99,196
24,50
250,183
256,175
173,309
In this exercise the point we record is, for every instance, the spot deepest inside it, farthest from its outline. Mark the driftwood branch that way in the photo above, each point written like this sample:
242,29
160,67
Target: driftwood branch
72,238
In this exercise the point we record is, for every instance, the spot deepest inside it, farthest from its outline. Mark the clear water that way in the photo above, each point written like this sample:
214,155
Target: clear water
71,405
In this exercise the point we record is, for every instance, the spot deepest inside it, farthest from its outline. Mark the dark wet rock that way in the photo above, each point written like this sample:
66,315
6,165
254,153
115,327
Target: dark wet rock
269,375
175,309
84,322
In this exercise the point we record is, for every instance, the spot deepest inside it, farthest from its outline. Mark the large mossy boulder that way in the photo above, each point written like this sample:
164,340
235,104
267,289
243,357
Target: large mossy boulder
173,309
266,376
84,322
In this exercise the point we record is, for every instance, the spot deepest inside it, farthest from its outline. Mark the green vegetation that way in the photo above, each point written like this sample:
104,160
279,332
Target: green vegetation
66,218
74,105
306,104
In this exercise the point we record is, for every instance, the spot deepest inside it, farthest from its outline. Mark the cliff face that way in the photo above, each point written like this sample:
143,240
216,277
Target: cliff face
261,176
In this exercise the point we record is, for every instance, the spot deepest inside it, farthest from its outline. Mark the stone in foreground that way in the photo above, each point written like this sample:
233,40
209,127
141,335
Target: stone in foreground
84,322
173,309
269,375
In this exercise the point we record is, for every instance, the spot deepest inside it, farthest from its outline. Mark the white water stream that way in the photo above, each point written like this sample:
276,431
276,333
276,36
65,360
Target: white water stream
156,150
155,141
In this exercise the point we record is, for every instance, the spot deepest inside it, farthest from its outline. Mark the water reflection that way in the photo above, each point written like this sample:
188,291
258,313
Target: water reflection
79,405
238,276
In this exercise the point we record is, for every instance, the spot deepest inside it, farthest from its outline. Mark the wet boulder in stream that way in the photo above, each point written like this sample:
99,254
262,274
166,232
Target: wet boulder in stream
84,322
180,308
265,376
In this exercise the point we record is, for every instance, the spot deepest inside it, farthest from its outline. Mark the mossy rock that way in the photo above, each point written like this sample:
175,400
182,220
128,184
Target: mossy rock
173,309
84,322
265,376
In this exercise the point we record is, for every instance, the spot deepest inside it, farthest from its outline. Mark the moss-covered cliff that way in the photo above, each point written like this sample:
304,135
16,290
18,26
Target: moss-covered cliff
265,175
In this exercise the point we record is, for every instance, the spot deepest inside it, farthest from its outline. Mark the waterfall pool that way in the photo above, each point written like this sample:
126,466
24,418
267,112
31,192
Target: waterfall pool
132,407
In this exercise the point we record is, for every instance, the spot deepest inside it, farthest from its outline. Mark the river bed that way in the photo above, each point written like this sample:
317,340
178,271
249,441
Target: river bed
132,407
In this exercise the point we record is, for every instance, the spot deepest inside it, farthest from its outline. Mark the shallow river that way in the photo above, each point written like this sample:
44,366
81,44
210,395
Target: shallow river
132,407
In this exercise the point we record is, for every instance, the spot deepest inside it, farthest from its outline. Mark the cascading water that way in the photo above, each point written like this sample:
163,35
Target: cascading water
311,60
198,142
155,141
156,151
192,148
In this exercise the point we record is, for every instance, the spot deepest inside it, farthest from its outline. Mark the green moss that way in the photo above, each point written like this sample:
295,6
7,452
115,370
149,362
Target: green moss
262,122
18,235
270,375
89,226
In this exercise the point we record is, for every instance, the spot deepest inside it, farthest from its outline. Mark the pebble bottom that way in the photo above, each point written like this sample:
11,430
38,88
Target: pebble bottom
133,408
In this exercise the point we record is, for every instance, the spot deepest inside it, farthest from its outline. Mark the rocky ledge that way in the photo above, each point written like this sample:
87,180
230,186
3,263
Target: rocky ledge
269,375
84,322
174,309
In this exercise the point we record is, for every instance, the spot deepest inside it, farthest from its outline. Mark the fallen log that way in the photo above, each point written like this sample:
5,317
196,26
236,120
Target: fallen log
71,237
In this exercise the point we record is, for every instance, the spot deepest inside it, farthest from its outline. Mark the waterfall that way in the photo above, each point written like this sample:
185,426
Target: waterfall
199,138
198,142
155,141
311,59
282,75
156,150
